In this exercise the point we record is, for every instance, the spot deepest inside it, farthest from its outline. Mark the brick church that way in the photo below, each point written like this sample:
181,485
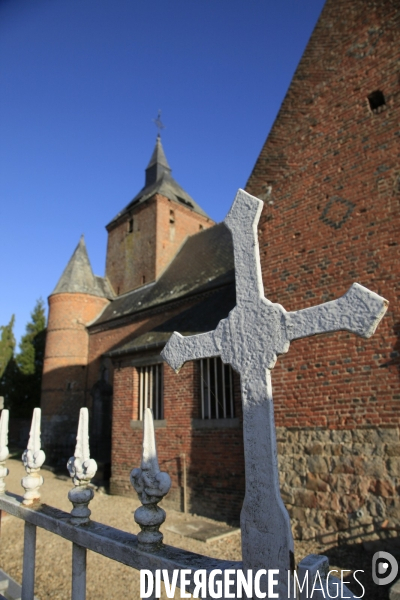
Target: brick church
329,176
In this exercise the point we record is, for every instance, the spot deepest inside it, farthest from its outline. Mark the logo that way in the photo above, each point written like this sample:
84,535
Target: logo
384,568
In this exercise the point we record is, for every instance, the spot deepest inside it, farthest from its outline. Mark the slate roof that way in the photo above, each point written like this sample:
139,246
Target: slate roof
203,316
205,262
78,276
159,181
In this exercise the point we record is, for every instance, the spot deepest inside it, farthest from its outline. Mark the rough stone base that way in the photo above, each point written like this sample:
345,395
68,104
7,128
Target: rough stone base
341,486
338,486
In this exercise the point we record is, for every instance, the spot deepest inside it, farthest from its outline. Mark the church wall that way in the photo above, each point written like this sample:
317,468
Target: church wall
65,362
175,223
159,228
131,254
214,457
329,174
105,338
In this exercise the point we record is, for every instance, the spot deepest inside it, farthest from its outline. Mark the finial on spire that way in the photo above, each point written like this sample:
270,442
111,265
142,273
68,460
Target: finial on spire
158,123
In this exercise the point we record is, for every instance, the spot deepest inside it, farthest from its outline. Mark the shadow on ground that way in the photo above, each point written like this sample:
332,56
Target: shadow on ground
359,557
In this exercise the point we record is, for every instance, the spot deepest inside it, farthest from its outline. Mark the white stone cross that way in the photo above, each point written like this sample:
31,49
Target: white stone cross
255,332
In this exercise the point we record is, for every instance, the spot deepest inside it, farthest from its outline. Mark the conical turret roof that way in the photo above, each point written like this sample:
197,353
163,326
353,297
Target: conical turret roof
78,276
159,181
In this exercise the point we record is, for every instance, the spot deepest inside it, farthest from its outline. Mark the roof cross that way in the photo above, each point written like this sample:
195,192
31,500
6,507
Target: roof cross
158,123
250,339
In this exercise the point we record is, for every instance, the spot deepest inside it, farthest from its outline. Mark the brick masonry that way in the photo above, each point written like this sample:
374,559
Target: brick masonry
159,228
214,457
329,174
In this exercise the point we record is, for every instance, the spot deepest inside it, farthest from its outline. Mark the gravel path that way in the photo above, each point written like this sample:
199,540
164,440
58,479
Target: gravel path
107,579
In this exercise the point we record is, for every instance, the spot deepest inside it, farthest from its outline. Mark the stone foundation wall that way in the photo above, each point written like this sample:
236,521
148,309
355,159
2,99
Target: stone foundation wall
341,485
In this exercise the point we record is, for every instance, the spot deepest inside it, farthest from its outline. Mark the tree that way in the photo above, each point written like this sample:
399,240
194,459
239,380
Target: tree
20,383
7,345
30,357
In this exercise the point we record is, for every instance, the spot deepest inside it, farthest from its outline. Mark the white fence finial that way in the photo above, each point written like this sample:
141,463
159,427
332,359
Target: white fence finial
82,469
3,448
151,485
33,458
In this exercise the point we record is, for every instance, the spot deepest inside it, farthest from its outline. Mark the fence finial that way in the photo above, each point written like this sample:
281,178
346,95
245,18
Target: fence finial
82,469
151,485
3,448
33,458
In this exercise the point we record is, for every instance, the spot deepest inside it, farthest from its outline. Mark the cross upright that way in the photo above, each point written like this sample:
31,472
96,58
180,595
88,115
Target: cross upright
255,332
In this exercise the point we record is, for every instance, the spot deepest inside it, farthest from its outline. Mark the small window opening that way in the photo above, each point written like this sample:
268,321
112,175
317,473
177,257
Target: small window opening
171,226
118,291
201,227
216,389
143,279
376,101
130,225
151,390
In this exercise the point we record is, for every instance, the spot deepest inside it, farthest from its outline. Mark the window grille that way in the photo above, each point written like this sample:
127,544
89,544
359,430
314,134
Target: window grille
216,386
151,390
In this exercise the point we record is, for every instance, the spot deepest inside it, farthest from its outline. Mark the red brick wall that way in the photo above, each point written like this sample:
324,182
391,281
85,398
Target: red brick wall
332,217
105,338
170,235
131,255
159,228
66,353
214,458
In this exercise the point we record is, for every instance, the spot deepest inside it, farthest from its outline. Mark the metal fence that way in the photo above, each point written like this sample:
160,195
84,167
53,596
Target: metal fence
143,551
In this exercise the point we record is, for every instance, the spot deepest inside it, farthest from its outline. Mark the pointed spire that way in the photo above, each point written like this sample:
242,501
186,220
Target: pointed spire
158,164
78,275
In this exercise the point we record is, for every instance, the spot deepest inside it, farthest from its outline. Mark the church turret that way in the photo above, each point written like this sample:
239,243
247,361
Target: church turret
146,235
78,298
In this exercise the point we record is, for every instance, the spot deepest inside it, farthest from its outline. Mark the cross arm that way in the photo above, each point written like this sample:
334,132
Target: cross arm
358,311
180,349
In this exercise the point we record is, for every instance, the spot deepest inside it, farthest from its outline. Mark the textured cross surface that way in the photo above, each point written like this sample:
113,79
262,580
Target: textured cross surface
255,332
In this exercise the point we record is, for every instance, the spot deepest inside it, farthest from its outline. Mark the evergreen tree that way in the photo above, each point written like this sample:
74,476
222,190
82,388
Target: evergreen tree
21,381
7,345
30,357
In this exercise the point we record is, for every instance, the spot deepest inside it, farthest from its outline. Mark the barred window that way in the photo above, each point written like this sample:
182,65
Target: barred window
216,387
151,390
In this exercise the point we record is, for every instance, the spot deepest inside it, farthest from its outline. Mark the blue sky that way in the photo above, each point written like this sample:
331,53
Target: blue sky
81,82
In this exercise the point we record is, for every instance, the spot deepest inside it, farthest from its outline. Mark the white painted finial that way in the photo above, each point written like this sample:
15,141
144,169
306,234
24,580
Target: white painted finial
82,469
3,448
151,485
33,458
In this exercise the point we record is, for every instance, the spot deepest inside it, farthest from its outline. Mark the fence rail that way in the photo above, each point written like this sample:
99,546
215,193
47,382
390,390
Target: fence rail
86,534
